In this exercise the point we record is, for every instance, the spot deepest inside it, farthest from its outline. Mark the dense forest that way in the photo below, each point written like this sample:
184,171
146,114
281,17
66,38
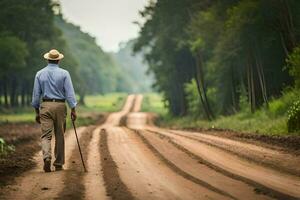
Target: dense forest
214,57
25,37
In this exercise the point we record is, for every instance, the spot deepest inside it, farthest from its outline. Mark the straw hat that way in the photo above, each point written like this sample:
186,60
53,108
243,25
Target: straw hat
53,55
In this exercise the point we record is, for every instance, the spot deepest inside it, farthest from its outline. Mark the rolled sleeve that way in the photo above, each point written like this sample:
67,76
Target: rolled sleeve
36,94
69,91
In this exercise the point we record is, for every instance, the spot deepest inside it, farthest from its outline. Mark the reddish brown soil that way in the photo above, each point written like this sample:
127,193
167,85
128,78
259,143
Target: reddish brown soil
115,187
289,143
25,138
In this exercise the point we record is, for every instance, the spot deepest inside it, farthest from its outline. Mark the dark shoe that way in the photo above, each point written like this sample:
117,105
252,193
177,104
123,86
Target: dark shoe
58,168
47,165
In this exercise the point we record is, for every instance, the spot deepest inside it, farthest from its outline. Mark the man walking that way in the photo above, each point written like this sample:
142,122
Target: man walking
53,86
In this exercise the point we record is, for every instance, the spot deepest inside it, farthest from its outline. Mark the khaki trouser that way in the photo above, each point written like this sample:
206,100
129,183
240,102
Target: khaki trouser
53,121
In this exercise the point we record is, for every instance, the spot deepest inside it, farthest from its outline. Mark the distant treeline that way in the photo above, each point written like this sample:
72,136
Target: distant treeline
96,72
138,78
28,29
231,52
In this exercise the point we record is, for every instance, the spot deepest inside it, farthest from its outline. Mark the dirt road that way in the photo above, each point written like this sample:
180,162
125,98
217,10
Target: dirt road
141,161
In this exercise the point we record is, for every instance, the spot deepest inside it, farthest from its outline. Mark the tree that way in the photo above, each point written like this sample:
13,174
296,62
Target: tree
232,48
12,63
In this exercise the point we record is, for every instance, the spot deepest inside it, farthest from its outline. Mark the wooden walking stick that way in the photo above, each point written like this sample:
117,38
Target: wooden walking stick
79,146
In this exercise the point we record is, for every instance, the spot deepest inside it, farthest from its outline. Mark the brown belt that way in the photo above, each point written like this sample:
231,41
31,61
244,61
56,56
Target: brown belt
54,100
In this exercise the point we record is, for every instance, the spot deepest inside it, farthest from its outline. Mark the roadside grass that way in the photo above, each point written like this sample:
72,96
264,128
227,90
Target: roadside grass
94,105
153,102
259,123
272,121
103,103
17,115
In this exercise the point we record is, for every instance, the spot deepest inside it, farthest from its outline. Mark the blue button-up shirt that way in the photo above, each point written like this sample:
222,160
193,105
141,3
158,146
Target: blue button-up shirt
53,82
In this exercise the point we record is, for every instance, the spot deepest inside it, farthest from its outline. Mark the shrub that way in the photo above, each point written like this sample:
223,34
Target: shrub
192,96
5,148
294,117
278,107
195,107
293,65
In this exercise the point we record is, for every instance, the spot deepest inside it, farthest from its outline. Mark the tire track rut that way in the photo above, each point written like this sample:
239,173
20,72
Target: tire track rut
200,171
115,187
260,188
73,178
146,176
280,165
93,180
177,170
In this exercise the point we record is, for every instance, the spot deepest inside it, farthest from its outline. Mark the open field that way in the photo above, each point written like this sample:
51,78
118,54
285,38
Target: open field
94,104
153,102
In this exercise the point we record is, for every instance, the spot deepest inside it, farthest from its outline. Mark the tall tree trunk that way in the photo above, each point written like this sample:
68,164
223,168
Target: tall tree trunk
23,97
289,22
28,100
13,92
201,79
200,88
181,98
1,93
283,44
251,86
201,97
286,27
5,92
233,90
253,98
28,95
23,94
260,73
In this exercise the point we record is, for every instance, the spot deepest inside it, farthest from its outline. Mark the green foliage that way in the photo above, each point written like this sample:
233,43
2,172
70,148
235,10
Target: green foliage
167,52
279,106
26,32
15,52
293,65
257,123
243,101
274,120
154,103
293,122
227,45
5,148
29,29
194,104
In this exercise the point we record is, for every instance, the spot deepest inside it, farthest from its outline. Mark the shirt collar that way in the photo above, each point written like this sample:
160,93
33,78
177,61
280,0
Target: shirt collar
53,65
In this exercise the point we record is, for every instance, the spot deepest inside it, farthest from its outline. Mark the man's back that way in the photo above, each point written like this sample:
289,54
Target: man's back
53,82
52,79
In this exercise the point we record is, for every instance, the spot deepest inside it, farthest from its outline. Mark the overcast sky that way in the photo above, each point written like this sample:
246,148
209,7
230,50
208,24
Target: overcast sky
110,21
